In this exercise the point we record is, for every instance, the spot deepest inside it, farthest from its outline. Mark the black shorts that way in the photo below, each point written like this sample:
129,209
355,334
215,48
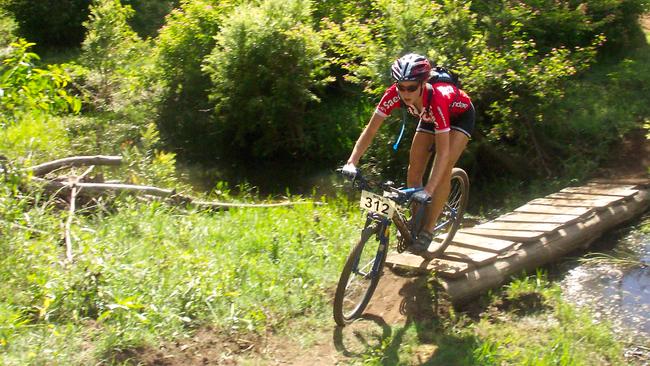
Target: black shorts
463,123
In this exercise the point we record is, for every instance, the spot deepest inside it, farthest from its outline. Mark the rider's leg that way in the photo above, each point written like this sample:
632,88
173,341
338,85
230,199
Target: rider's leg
418,158
457,143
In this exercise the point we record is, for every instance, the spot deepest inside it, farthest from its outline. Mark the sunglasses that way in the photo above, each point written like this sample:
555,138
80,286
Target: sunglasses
409,88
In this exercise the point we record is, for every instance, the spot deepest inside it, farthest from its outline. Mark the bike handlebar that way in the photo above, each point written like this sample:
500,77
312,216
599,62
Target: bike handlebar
399,195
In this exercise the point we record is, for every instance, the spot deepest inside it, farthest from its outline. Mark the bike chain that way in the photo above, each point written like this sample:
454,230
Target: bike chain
401,243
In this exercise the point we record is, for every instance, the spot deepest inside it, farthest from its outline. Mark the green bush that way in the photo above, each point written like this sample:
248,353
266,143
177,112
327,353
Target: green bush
26,88
114,56
563,24
149,15
184,41
9,27
115,79
50,22
510,77
263,69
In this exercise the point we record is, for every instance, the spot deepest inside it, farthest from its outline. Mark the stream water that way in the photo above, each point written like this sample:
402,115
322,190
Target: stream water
616,292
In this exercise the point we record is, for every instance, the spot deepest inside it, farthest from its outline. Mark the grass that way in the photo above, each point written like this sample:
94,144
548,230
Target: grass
619,259
551,332
145,272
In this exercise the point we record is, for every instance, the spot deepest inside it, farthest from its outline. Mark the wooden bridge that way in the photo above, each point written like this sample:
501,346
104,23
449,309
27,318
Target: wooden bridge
544,229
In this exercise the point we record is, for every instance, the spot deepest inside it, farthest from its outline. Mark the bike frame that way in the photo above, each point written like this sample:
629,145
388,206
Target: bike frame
383,225
383,236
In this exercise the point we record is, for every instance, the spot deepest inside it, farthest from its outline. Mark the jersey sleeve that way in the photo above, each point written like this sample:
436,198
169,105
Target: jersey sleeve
388,102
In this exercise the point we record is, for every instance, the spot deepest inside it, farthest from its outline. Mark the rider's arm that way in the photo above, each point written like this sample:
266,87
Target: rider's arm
365,139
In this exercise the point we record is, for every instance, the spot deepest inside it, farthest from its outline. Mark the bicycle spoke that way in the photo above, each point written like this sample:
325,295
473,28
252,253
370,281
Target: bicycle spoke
367,266
449,219
361,280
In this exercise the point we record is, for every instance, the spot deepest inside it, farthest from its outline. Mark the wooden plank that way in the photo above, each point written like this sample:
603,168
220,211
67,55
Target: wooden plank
571,203
461,254
479,242
625,191
577,196
532,208
537,218
520,226
514,235
443,267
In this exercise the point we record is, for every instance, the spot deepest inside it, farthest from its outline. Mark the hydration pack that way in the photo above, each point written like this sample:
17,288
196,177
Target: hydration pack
440,74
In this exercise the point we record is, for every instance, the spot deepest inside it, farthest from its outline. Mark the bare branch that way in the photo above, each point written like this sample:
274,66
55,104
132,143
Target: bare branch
42,169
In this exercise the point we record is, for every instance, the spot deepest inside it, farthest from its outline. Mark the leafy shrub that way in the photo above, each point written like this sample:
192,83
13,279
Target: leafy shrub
9,26
510,76
149,15
184,41
568,24
113,55
24,87
50,22
115,80
263,69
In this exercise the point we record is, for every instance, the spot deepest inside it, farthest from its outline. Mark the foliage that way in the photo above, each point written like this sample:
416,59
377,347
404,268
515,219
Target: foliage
9,26
117,83
49,23
263,69
24,87
112,54
35,138
149,15
149,165
562,24
147,271
185,40
604,104
559,335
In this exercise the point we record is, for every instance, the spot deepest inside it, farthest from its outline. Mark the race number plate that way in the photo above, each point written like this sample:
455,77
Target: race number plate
377,204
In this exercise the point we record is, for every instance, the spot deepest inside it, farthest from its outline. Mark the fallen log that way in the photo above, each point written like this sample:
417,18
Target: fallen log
65,187
42,169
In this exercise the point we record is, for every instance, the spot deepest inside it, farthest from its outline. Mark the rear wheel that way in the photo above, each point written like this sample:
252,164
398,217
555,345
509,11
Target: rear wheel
452,212
358,280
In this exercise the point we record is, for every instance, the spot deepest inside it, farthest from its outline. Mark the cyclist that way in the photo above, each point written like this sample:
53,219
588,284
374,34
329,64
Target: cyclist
446,120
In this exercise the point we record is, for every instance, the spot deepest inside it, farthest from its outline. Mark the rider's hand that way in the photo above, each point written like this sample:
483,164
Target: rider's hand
349,170
421,197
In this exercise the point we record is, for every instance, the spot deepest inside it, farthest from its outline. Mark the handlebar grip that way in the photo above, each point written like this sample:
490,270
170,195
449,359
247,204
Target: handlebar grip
349,171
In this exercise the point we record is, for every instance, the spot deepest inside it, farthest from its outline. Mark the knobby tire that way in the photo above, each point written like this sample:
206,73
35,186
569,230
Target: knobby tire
458,197
340,316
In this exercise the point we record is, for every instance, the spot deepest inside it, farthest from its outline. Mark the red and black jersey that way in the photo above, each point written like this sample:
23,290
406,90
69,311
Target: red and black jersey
442,102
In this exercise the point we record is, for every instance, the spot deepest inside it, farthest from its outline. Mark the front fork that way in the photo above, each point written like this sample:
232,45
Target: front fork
380,225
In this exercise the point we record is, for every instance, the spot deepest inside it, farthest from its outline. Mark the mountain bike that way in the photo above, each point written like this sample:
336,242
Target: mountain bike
386,204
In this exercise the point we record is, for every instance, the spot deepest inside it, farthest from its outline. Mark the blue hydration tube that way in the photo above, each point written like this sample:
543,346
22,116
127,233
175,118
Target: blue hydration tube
399,138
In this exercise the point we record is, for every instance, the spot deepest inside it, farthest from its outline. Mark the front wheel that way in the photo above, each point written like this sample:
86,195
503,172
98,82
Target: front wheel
359,278
452,213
